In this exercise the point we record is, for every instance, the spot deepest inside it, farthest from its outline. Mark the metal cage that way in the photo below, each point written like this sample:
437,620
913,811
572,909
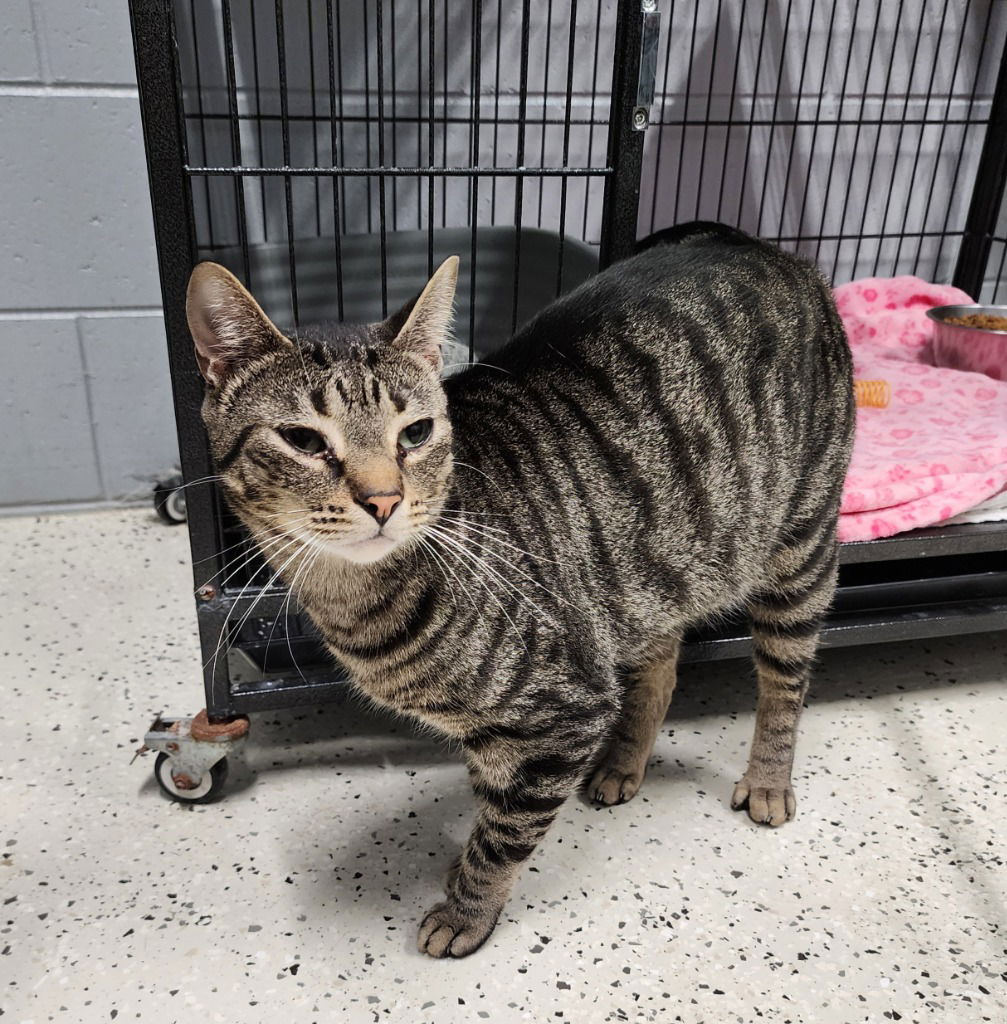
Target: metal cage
331,153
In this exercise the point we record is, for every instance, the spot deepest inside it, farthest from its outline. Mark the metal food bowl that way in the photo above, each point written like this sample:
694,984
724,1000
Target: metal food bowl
977,349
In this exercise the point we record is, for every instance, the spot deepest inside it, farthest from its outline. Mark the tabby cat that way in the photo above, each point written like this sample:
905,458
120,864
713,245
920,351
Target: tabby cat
512,554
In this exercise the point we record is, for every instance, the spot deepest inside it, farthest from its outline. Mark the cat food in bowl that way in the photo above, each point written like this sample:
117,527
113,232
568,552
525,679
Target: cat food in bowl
971,338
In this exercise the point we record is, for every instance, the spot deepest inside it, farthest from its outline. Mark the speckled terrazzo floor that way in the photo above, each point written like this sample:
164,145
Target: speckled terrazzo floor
297,897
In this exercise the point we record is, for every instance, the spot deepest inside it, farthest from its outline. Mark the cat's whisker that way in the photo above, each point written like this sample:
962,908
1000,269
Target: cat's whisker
449,518
282,610
476,578
258,548
510,562
429,551
220,554
276,619
290,512
227,631
315,551
486,527
236,631
481,563
224,631
478,362
439,556
319,552
202,480
475,469
477,528
469,512
464,544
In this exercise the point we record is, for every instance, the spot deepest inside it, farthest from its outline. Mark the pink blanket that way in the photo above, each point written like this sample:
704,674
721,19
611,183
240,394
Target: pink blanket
940,446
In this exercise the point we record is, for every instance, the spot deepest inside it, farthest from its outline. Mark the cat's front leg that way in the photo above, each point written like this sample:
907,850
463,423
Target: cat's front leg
520,792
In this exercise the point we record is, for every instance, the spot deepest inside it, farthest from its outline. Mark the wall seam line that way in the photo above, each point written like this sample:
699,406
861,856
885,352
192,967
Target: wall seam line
98,313
39,38
90,409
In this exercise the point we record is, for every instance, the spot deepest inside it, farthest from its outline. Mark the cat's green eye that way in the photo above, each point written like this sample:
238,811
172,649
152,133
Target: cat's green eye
304,439
415,434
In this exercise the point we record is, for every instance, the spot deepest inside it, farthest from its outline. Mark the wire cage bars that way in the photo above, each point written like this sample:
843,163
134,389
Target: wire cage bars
332,153
852,133
310,127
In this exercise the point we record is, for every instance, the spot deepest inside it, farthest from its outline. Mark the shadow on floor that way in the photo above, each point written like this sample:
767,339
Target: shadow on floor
348,732
285,738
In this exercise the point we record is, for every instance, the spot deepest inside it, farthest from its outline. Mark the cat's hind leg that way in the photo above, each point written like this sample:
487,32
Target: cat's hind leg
786,621
620,772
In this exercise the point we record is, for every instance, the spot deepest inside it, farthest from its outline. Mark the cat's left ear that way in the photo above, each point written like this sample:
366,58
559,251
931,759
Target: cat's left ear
428,321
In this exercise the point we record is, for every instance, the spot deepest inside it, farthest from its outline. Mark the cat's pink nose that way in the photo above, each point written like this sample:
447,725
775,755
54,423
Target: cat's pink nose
381,506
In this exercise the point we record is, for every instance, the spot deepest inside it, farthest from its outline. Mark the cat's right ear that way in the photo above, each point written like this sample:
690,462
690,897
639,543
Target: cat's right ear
227,324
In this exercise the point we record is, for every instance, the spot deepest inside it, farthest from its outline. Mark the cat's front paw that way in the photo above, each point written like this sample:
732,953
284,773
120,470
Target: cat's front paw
448,930
617,778
766,805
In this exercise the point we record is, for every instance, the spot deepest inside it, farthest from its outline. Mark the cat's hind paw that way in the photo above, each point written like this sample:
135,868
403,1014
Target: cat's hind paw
447,930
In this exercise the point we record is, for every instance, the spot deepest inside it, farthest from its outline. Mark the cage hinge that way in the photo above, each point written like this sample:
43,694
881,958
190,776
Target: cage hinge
650,34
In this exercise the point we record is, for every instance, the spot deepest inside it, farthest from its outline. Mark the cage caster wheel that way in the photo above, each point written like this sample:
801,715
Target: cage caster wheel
169,501
191,765
186,790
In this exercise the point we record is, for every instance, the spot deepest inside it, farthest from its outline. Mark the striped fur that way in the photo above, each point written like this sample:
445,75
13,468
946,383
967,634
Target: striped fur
664,444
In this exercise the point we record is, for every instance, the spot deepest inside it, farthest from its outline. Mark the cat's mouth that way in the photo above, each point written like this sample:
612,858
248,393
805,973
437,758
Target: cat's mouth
367,549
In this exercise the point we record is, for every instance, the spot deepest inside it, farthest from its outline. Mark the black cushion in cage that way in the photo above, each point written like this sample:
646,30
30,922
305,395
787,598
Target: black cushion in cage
488,321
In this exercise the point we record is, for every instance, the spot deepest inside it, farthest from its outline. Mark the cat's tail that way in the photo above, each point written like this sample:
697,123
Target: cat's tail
696,231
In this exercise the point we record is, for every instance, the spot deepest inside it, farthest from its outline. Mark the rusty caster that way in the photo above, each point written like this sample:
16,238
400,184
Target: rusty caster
191,765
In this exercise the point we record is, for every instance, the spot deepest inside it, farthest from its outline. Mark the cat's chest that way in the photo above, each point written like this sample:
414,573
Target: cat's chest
416,660
436,693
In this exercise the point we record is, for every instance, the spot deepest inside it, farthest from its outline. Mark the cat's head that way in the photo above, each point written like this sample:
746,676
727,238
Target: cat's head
343,441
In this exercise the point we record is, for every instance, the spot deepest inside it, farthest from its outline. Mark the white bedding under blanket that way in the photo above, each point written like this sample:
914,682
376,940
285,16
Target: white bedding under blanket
992,510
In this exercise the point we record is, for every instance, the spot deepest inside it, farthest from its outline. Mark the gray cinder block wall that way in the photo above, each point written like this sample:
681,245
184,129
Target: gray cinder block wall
85,410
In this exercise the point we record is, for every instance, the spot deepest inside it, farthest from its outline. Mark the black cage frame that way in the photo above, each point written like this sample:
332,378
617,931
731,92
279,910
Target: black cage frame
925,583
